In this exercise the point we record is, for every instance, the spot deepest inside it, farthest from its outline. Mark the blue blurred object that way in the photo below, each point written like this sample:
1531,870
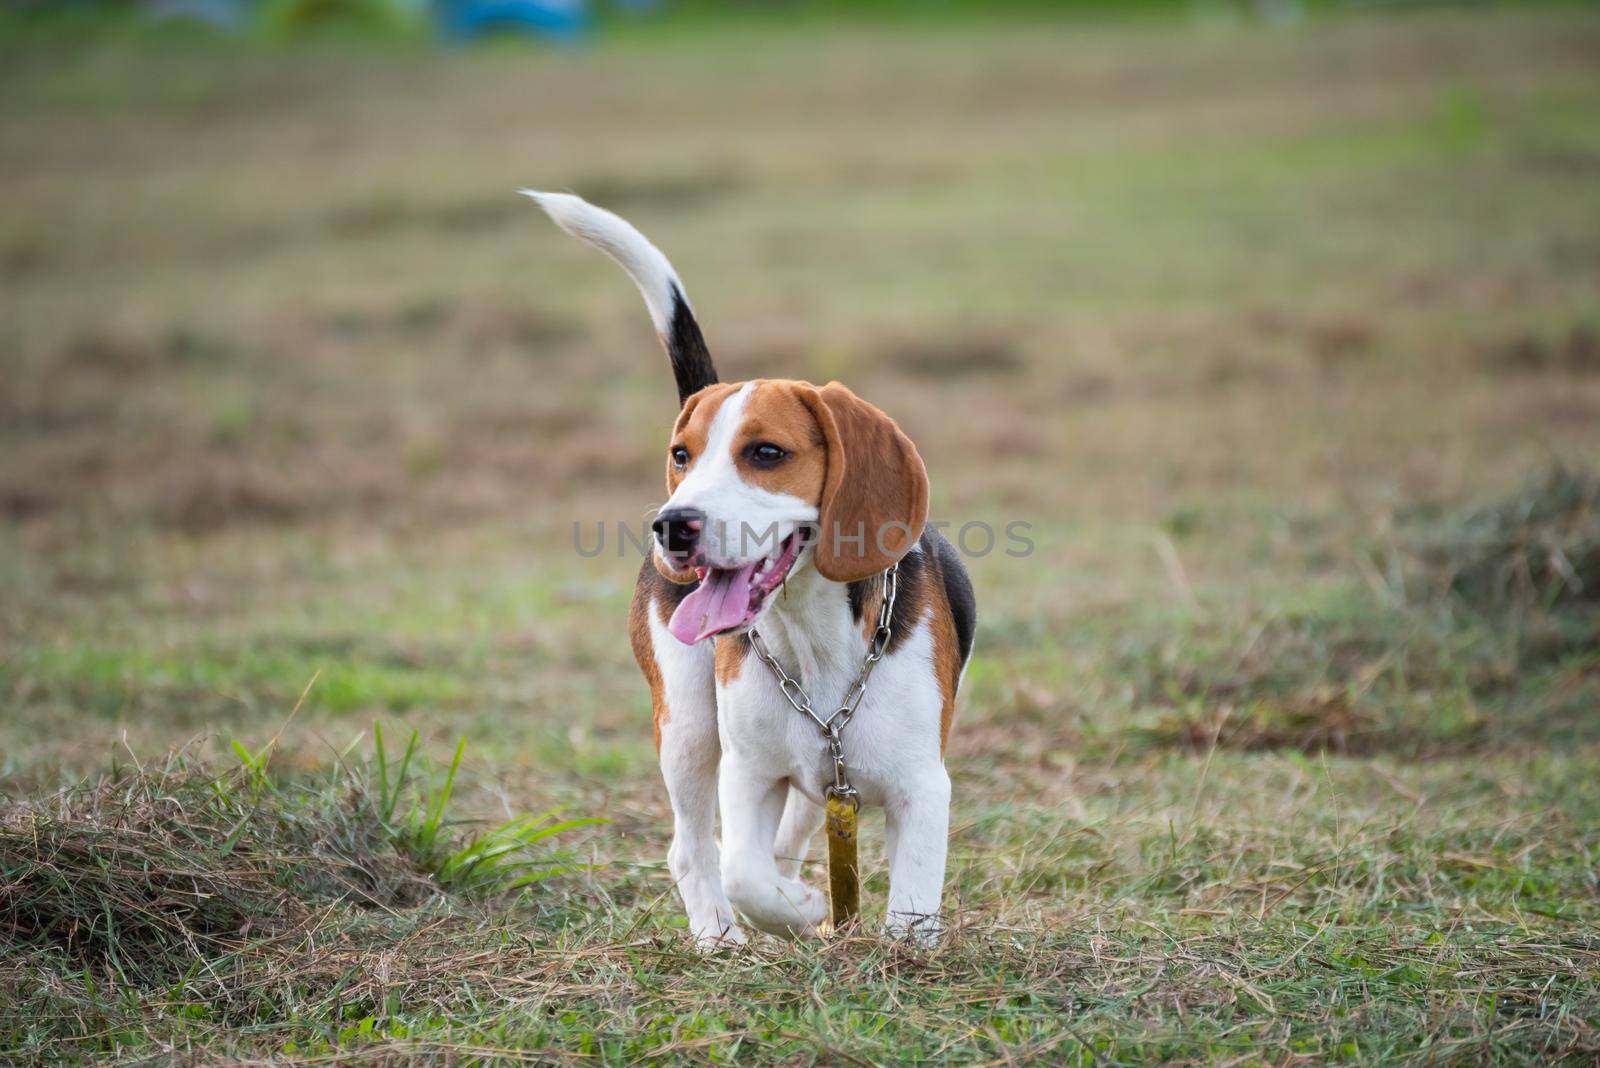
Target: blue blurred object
225,14
564,20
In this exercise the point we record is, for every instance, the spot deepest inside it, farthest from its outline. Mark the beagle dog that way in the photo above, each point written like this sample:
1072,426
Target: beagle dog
787,502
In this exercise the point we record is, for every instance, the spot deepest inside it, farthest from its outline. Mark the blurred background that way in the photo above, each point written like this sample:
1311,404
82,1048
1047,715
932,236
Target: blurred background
1278,320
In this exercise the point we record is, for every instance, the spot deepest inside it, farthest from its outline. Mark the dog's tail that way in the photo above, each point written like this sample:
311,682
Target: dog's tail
650,271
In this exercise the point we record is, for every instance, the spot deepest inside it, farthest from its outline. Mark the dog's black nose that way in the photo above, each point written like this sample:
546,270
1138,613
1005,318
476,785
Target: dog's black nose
678,531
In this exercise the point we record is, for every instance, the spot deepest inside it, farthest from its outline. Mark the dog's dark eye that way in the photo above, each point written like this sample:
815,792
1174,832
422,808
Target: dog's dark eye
766,454
680,457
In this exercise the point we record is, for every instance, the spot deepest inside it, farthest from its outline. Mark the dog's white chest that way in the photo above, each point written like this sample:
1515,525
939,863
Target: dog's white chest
894,732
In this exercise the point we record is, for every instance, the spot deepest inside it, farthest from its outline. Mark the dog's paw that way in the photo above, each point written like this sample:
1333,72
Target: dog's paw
714,937
791,910
813,907
919,930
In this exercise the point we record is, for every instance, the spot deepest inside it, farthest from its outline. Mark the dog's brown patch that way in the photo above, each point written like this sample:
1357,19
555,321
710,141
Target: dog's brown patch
644,652
731,652
947,661
652,592
775,413
693,428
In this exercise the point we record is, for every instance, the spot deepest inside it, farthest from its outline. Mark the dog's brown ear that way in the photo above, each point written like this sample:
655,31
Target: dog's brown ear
875,492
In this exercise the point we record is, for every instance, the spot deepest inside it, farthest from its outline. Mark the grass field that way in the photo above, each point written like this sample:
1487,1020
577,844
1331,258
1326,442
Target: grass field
1283,745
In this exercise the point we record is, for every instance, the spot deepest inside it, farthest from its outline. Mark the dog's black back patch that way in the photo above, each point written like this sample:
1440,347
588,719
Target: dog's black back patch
939,562
907,601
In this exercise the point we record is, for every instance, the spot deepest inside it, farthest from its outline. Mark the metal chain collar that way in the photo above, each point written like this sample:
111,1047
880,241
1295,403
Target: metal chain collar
796,694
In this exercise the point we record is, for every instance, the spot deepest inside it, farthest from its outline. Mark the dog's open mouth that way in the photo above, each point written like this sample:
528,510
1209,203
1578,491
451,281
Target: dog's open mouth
729,598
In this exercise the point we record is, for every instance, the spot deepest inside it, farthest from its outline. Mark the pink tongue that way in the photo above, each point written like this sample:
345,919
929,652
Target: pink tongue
719,603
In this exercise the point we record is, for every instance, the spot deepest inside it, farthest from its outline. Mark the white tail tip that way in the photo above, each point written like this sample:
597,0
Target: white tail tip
619,239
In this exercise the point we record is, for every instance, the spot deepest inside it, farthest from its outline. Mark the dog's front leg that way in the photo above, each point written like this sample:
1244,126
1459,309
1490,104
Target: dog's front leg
917,828
689,754
752,805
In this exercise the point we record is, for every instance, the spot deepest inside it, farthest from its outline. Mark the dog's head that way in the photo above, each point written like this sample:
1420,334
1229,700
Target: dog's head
772,475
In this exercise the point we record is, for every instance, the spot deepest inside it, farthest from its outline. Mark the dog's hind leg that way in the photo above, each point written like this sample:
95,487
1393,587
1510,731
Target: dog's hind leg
802,817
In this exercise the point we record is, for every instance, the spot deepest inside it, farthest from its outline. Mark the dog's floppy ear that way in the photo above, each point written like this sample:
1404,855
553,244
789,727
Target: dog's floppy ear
875,492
